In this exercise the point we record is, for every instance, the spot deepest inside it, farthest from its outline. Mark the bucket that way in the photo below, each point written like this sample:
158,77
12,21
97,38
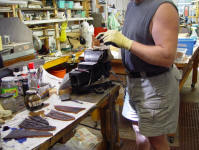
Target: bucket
60,73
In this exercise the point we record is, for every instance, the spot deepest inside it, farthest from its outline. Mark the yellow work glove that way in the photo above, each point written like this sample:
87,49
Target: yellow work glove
115,37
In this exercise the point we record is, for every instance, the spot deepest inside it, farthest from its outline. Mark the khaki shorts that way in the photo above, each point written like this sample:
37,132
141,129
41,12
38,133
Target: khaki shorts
154,103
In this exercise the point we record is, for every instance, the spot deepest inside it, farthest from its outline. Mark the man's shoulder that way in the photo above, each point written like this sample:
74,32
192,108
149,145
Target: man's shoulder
167,9
167,5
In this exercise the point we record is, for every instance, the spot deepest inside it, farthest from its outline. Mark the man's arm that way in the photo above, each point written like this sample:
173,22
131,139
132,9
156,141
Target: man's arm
164,30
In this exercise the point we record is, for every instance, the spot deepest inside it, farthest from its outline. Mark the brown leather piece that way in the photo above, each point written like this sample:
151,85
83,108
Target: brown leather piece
39,119
38,113
68,109
59,116
35,125
23,133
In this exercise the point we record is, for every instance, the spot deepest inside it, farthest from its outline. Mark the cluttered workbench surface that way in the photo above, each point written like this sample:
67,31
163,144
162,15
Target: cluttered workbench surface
85,103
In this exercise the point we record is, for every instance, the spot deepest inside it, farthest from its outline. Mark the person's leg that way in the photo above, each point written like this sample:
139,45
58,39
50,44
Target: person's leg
142,142
159,142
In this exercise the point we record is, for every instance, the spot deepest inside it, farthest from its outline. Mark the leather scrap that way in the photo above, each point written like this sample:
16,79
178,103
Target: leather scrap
59,116
68,109
23,133
39,119
38,113
35,125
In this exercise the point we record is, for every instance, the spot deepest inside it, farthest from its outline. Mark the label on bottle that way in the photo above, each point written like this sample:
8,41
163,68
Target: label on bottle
13,90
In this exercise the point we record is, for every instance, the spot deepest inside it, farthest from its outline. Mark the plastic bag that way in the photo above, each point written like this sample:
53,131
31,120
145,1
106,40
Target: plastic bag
113,24
87,31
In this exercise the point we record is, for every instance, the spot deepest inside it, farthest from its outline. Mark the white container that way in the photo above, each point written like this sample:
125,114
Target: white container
180,54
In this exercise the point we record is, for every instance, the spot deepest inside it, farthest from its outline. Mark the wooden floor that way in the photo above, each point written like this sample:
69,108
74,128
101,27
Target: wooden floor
188,129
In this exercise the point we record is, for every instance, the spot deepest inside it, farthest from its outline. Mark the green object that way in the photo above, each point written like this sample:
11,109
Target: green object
113,24
13,90
83,14
61,3
66,49
69,4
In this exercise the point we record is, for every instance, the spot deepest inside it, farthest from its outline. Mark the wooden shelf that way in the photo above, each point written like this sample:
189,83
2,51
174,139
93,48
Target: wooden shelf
64,9
5,11
37,9
54,22
79,19
34,22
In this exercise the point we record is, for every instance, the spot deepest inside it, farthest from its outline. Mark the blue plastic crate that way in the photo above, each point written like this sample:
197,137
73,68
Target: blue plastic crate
188,44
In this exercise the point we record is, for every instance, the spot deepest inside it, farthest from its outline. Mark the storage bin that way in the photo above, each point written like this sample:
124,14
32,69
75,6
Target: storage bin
58,72
61,3
188,44
69,4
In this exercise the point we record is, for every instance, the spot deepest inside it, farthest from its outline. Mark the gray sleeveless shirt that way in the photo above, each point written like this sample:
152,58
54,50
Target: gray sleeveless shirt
136,27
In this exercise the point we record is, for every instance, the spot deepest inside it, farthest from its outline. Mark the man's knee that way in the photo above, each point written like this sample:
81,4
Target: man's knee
158,142
141,140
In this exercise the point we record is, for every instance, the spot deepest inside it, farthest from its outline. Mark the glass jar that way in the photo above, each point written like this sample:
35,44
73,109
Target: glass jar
8,102
32,100
8,86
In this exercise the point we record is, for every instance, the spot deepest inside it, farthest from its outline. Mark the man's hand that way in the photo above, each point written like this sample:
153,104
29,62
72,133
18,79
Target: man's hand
115,37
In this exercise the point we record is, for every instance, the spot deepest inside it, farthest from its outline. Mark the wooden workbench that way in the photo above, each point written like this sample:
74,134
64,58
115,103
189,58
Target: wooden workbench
106,104
65,130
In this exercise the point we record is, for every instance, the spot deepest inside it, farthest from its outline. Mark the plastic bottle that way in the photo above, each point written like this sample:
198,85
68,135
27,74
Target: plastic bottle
25,71
194,34
32,79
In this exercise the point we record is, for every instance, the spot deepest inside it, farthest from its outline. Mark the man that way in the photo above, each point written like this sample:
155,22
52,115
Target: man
149,43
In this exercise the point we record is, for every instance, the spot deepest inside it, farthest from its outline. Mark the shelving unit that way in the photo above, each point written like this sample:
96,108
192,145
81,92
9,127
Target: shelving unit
8,11
52,23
